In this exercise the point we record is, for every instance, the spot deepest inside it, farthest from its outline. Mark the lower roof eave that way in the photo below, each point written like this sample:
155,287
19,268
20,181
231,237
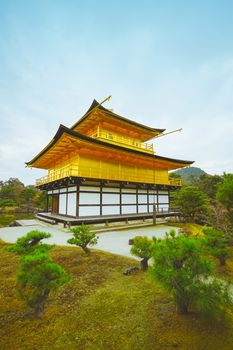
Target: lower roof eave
74,181
174,163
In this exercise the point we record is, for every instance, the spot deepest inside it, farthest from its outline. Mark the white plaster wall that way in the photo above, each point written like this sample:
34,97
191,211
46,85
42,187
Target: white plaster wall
62,190
128,190
111,210
89,188
62,204
89,211
110,189
151,208
110,198
152,191
129,209
142,208
142,198
89,198
163,199
71,189
163,207
142,191
72,200
152,198
128,198
162,192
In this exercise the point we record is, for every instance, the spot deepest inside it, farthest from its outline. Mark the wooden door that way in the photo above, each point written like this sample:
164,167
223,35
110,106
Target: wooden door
55,204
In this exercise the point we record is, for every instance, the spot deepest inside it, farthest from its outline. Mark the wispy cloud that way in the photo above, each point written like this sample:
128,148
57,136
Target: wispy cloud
161,69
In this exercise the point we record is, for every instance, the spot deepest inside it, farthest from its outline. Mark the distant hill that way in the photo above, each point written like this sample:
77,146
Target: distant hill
187,174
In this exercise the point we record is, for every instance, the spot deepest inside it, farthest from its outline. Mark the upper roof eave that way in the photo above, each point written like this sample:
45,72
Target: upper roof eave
63,129
96,104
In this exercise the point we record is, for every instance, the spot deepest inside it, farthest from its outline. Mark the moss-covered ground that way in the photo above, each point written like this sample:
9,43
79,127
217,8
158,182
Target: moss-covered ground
193,229
102,309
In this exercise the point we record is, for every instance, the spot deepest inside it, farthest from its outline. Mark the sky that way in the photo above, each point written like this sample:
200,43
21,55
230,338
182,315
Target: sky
167,64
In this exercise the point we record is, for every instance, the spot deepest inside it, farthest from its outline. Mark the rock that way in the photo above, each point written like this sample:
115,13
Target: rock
130,270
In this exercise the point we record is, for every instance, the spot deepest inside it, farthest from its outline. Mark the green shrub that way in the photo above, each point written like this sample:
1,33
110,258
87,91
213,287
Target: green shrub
30,242
142,248
6,219
192,203
37,275
7,203
217,244
83,237
181,267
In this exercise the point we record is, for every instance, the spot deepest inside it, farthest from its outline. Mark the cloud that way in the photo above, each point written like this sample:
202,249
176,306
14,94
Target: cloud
50,76
200,102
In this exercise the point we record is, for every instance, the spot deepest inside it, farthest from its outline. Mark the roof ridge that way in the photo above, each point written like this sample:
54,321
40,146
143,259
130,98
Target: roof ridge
96,104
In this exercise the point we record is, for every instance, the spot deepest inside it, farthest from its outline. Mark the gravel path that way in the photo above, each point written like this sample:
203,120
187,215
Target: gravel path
111,241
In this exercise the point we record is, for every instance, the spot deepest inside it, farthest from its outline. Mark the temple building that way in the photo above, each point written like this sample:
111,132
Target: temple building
104,166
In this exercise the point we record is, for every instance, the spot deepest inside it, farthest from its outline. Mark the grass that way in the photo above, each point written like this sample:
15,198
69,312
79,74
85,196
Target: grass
101,309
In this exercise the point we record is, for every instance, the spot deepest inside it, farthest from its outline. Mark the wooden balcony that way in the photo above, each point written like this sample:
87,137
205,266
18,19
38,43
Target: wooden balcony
122,141
106,174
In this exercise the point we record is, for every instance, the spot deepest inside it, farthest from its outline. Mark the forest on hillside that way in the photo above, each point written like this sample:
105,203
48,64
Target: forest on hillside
18,201
14,194
206,199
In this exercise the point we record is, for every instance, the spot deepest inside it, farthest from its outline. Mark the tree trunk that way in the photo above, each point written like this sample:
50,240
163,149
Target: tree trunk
222,260
39,308
39,311
86,250
144,264
181,308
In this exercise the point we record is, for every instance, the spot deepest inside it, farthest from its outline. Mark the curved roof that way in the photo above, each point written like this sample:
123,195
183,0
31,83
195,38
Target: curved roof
174,163
144,129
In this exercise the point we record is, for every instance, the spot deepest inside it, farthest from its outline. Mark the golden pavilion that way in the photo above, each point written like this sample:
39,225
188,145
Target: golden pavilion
103,166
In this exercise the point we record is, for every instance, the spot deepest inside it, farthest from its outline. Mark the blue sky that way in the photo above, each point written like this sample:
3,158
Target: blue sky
168,64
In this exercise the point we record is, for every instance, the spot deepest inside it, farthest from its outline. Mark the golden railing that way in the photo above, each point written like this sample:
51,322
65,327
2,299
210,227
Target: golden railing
107,174
175,182
123,141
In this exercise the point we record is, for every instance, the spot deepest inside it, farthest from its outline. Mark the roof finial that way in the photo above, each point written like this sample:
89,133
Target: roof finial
167,133
106,99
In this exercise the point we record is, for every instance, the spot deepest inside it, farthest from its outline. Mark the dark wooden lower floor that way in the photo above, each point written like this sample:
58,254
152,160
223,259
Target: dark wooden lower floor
82,220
